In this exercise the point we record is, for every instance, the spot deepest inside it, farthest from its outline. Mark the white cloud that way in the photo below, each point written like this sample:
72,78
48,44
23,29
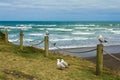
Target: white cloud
63,4
4,4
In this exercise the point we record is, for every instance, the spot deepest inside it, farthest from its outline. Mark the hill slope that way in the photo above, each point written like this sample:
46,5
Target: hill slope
30,64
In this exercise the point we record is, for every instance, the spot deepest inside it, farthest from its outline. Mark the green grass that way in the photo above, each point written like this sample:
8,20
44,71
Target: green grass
30,64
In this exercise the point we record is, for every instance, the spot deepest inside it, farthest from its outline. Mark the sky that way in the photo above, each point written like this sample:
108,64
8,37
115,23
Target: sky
59,10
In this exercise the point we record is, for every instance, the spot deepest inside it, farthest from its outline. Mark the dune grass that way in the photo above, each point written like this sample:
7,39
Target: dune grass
30,64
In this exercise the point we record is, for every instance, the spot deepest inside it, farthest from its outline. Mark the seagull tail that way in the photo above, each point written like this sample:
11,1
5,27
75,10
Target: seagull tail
105,41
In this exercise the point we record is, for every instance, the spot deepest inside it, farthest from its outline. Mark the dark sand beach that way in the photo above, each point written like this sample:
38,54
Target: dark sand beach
109,62
87,51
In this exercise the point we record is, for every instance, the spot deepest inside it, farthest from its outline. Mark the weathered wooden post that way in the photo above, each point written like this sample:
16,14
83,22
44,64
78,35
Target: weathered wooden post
99,59
46,44
6,35
21,39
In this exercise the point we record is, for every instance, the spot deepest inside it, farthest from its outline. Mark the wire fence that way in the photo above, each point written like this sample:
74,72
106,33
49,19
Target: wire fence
34,43
55,45
116,58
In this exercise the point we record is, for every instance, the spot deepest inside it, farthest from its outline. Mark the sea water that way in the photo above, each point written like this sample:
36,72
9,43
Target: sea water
66,34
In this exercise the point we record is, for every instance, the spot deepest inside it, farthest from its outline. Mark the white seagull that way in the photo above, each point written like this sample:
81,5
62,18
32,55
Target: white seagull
60,65
64,63
47,33
101,39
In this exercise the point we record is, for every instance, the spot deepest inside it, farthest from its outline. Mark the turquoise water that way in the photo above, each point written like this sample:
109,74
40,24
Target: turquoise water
64,34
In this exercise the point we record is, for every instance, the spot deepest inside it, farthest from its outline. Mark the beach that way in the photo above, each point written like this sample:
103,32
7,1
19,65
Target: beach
108,62
87,51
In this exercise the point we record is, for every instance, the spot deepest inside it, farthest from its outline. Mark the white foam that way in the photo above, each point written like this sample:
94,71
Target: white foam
82,25
69,39
68,47
27,40
116,32
41,28
46,25
59,29
24,27
35,34
13,35
81,28
13,40
82,33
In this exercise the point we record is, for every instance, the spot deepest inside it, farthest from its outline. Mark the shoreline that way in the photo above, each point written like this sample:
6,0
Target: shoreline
112,49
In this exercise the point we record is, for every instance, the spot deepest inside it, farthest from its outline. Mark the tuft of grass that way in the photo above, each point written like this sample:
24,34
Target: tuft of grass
3,77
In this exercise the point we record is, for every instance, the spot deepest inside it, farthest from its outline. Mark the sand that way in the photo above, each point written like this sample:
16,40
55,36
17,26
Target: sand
109,62
77,51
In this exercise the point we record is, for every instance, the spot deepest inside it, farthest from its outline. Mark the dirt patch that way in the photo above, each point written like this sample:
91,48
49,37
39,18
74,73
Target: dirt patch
18,74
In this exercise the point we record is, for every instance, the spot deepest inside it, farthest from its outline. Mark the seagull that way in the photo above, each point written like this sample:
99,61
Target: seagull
101,39
47,33
60,65
64,63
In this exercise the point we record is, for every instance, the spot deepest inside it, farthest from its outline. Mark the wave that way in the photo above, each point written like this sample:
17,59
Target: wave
13,40
82,33
81,28
72,47
13,35
35,34
83,25
41,28
22,25
69,39
27,40
116,46
14,27
116,32
59,29
46,25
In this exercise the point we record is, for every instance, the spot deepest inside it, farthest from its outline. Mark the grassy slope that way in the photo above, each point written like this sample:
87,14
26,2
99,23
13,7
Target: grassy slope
30,64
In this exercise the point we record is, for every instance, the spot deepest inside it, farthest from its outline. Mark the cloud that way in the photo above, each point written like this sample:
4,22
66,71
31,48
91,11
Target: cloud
4,4
62,4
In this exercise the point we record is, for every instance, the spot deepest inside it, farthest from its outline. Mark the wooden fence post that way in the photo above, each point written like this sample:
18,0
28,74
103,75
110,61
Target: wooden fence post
6,35
21,39
46,45
99,59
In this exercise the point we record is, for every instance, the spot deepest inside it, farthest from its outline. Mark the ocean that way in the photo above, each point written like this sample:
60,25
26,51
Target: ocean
66,34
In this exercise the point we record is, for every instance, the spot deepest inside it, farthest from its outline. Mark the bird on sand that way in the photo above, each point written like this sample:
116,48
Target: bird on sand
60,65
64,63
101,39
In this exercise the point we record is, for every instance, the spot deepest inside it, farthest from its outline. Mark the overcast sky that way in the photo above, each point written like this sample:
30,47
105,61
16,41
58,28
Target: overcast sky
60,10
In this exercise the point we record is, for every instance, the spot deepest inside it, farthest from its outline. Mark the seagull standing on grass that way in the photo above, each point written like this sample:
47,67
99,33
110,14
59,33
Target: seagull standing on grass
101,39
64,63
60,65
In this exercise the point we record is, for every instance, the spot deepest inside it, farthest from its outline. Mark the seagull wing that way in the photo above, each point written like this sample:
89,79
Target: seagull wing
60,65
64,63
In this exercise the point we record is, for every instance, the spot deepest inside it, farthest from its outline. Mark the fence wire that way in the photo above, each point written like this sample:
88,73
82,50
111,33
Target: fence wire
112,55
14,41
35,40
54,44
29,42
39,42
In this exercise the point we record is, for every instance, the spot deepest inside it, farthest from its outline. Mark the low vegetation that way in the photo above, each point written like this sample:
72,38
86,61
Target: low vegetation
31,64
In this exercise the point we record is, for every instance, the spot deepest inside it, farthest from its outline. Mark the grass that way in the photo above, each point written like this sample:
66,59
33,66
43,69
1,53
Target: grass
30,64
